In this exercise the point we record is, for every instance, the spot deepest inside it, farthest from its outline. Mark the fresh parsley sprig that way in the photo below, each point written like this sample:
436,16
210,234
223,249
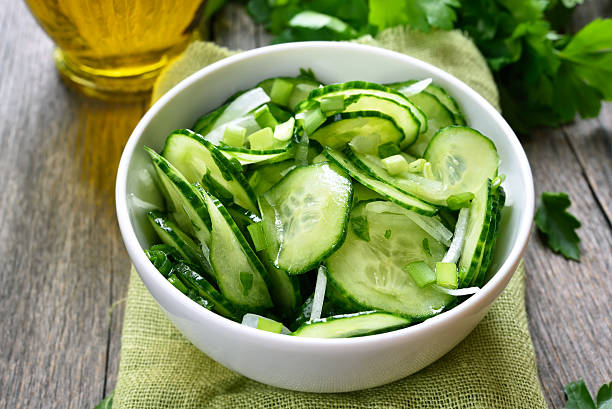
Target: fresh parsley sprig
545,77
558,225
578,396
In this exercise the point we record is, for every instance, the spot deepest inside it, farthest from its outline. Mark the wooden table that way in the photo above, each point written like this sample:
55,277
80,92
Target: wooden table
63,264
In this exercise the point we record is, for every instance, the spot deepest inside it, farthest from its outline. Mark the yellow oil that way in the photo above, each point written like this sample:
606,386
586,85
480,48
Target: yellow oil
116,47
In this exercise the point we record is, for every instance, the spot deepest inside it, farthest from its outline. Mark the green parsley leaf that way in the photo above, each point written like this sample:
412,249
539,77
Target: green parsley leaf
558,225
107,403
388,234
604,396
578,396
419,14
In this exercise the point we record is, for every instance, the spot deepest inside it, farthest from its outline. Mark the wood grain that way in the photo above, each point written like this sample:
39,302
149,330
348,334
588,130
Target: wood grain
59,242
63,262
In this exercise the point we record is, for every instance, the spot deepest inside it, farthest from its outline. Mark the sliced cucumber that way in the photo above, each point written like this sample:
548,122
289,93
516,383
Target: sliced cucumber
481,212
249,156
387,191
401,114
352,325
372,273
216,301
305,216
240,274
438,117
204,124
498,206
462,159
348,89
449,102
428,190
284,289
200,161
366,129
172,235
183,200
265,176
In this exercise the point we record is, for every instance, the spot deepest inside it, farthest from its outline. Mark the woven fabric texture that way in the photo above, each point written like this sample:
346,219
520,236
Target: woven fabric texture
494,367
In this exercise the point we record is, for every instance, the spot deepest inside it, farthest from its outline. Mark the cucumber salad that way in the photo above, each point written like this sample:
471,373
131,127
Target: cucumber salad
326,211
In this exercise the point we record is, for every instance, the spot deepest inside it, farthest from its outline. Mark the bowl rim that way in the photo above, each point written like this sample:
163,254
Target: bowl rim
489,292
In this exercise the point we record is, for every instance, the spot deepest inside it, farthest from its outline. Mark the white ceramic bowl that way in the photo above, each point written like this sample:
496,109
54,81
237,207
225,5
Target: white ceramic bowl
305,364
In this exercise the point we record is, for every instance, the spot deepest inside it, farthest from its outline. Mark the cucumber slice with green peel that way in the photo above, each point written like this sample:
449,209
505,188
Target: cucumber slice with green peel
498,207
462,159
401,114
284,288
198,160
428,190
265,176
183,201
372,273
385,190
215,300
250,156
305,216
350,88
352,325
438,117
204,124
476,234
172,235
448,101
241,276
366,130
437,91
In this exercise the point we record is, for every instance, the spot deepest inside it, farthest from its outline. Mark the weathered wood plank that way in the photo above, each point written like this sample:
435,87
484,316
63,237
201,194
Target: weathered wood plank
59,242
233,28
591,141
568,303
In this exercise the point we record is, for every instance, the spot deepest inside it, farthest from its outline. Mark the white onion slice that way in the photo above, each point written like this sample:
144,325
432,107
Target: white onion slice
452,255
431,225
242,105
319,294
415,88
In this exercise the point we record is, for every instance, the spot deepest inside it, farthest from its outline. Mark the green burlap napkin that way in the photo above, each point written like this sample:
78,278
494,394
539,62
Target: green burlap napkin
494,367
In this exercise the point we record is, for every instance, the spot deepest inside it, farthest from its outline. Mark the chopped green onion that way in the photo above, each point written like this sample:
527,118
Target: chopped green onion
283,132
300,93
335,103
388,149
427,171
266,324
301,152
264,117
446,275
174,280
312,120
255,179
426,248
281,91
460,200
258,236
498,181
388,234
234,135
421,273
395,164
262,139
416,166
